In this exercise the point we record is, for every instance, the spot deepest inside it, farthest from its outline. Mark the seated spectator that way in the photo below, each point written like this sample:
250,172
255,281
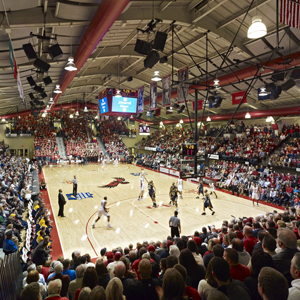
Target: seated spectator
258,261
272,285
294,291
65,279
287,241
237,270
76,283
41,253
192,246
31,292
8,245
233,289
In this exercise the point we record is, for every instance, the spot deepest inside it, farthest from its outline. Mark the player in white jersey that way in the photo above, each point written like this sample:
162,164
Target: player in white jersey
179,187
103,211
142,179
255,195
212,189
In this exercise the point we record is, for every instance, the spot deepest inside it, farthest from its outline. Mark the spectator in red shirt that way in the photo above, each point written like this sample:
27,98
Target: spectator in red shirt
249,240
237,270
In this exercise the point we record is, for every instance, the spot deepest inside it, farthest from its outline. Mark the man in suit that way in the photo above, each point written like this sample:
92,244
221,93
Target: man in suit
61,203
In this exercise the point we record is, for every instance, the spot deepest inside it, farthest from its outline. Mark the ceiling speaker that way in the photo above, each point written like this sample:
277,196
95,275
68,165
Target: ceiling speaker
142,47
31,96
151,60
288,85
38,89
295,74
47,80
277,77
160,40
41,65
43,95
29,51
55,51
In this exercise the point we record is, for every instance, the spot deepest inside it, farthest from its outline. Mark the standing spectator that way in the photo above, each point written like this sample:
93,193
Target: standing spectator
103,276
111,266
54,290
31,292
114,290
61,203
65,279
76,283
233,289
287,241
174,223
249,240
67,271
294,291
272,285
90,280
237,270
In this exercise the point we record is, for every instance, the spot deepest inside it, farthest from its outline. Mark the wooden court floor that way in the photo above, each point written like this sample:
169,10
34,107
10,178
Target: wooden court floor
132,221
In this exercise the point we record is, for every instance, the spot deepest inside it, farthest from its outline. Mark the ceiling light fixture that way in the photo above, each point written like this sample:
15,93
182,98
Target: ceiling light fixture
262,92
3,120
71,116
181,121
70,66
118,94
156,76
57,89
51,100
77,113
44,115
257,29
216,84
85,109
247,116
208,119
119,118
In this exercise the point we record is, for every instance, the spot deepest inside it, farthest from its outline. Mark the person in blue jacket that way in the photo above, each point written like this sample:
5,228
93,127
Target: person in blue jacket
8,244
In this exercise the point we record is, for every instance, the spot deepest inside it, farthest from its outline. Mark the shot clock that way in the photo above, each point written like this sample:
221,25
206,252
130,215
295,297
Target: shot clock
189,149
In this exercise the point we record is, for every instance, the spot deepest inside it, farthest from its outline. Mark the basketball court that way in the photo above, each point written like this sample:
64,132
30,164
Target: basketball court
132,220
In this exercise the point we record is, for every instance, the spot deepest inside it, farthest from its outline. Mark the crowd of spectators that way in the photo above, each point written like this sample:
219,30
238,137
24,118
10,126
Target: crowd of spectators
247,258
16,183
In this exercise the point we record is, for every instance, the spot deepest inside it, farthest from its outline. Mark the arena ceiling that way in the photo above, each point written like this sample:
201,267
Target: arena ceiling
69,19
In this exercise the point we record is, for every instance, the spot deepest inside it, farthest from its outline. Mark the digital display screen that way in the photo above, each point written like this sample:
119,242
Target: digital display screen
124,104
144,130
103,105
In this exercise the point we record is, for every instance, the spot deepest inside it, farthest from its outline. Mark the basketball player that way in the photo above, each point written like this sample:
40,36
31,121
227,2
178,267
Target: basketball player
173,195
103,211
207,203
200,188
212,189
142,185
151,191
255,195
179,187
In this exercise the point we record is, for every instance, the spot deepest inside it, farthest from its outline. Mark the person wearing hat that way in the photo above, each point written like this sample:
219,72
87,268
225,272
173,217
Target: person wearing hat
8,245
111,266
110,258
207,203
151,250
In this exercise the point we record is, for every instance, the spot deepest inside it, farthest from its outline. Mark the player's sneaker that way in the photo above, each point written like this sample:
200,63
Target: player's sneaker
257,204
170,202
197,197
139,199
109,226
142,199
213,213
93,226
203,214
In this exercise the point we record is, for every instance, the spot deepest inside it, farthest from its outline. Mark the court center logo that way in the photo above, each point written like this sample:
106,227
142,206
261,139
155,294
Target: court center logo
116,182
79,196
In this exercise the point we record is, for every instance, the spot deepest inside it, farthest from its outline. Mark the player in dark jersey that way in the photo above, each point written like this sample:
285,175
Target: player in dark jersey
173,195
200,188
151,191
207,203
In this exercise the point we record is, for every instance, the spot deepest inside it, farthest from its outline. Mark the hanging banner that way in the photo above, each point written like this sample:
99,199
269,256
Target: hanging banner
183,88
153,95
20,88
200,102
237,97
141,99
166,96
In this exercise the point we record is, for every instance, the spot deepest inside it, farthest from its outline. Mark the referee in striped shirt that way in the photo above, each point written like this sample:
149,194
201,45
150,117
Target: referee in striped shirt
174,223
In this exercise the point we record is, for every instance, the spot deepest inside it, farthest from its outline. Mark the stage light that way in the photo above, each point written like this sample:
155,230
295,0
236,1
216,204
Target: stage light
257,29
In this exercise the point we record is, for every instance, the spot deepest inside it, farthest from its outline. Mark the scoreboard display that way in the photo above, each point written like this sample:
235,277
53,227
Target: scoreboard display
189,149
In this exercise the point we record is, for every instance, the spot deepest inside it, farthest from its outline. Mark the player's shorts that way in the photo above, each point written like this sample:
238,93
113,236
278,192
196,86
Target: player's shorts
152,195
200,190
142,187
255,196
208,204
103,212
179,188
174,199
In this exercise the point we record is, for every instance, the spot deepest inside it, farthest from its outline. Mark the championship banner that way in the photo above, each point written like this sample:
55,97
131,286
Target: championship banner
166,95
237,97
153,95
141,99
199,105
183,88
